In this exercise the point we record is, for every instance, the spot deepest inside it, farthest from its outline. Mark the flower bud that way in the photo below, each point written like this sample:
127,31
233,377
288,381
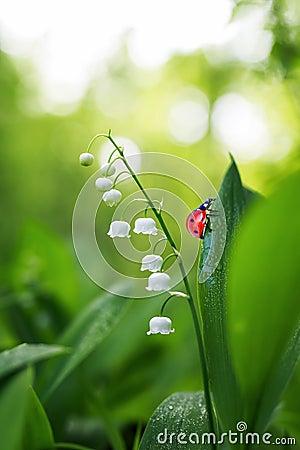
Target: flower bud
103,170
103,184
145,226
86,159
152,263
160,325
119,228
158,282
112,197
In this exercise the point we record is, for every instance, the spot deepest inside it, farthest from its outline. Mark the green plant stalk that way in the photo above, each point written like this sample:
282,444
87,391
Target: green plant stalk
191,302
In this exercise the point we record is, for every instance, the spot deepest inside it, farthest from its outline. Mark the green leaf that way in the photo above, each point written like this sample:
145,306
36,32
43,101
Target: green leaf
278,382
263,307
86,333
13,407
24,354
212,295
181,417
37,431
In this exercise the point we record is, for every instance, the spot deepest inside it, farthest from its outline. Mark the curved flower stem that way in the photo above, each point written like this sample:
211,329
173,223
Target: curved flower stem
110,163
195,314
93,140
174,294
164,305
112,153
172,255
119,174
158,242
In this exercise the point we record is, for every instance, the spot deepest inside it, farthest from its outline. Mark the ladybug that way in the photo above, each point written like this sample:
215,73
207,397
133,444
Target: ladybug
197,221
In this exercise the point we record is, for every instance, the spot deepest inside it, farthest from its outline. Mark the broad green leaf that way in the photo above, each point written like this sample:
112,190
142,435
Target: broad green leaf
180,422
212,297
86,333
13,408
37,431
24,354
278,382
263,307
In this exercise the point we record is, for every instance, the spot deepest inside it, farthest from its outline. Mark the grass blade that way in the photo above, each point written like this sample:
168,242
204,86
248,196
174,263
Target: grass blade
212,295
24,354
85,334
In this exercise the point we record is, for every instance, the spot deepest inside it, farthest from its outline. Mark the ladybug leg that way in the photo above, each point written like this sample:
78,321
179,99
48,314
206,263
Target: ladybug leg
209,228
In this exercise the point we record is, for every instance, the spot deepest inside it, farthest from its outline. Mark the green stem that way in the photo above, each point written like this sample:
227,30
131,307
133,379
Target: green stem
112,154
167,258
172,294
110,163
113,434
119,174
158,242
195,316
93,140
137,437
164,305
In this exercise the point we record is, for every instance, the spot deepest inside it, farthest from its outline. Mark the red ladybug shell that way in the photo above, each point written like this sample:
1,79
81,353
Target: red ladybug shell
195,223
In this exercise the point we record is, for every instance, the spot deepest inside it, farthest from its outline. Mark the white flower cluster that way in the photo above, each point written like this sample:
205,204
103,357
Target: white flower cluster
104,184
158,281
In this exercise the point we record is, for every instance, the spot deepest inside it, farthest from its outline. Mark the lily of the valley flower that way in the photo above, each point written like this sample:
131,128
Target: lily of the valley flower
158,282
86,159
112,197
103,170
152,263
145,226
119,228
160,325
103,184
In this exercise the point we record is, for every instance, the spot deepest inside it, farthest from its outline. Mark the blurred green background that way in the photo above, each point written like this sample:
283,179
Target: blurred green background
236,89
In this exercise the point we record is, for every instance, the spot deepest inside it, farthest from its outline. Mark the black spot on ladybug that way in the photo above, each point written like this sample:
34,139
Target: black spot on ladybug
196,231
192,220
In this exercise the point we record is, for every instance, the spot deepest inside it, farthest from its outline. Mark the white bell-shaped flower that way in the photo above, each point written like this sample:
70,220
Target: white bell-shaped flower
112,197
145,226
160,325
86,159
158,282
107,173
103,184
119,228
152,263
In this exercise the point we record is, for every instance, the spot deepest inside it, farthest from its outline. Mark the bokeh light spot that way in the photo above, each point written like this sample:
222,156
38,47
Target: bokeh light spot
241,126
188,117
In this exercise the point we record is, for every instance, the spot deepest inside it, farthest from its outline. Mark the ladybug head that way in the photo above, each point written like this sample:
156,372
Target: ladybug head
205,205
